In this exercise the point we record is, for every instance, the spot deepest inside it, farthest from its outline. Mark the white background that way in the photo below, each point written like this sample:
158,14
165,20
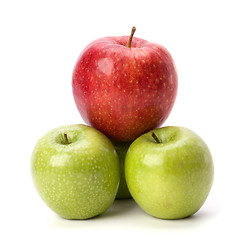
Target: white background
39,44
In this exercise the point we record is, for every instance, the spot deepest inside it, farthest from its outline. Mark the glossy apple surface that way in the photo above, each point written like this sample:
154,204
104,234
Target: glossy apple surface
124,91
77,178
170,179
122,148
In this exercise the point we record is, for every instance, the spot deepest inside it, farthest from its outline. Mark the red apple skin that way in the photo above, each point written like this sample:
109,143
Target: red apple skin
124,92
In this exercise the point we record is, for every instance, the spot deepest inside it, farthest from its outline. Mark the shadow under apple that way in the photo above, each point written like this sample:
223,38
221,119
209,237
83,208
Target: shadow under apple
119,207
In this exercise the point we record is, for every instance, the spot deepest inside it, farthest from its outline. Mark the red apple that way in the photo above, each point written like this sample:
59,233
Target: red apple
124,86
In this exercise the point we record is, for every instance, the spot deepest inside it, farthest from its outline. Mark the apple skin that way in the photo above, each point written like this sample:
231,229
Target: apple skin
121,149
78,180
124,92
171,179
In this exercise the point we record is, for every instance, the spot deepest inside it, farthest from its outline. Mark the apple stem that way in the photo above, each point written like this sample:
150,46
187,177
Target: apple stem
66,139
155,137
131,37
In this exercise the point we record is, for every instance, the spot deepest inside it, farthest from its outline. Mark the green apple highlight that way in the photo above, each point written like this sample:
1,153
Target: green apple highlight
76,171
122,148
169,176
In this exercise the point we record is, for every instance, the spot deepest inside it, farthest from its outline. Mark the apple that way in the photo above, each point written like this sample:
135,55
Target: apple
76,171
121,149
169,172
124,86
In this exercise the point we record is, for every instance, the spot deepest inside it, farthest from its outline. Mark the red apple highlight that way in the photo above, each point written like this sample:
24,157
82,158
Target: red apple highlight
124,86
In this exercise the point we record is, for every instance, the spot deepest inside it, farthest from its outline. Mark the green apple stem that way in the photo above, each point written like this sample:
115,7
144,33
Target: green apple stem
66,139
131,37
155,137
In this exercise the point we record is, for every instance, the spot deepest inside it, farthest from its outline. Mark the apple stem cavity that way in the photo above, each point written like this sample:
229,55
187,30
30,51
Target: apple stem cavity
131,37
66,139
155,137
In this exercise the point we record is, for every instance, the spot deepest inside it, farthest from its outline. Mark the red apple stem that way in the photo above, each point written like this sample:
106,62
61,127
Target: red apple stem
155,137
66,139
131,37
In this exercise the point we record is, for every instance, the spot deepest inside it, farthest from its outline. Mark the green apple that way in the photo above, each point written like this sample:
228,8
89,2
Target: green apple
169,172
122,148
76,171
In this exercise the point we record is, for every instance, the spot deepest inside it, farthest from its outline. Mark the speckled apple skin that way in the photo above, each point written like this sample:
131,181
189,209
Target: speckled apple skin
172,179
78,180
124,92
